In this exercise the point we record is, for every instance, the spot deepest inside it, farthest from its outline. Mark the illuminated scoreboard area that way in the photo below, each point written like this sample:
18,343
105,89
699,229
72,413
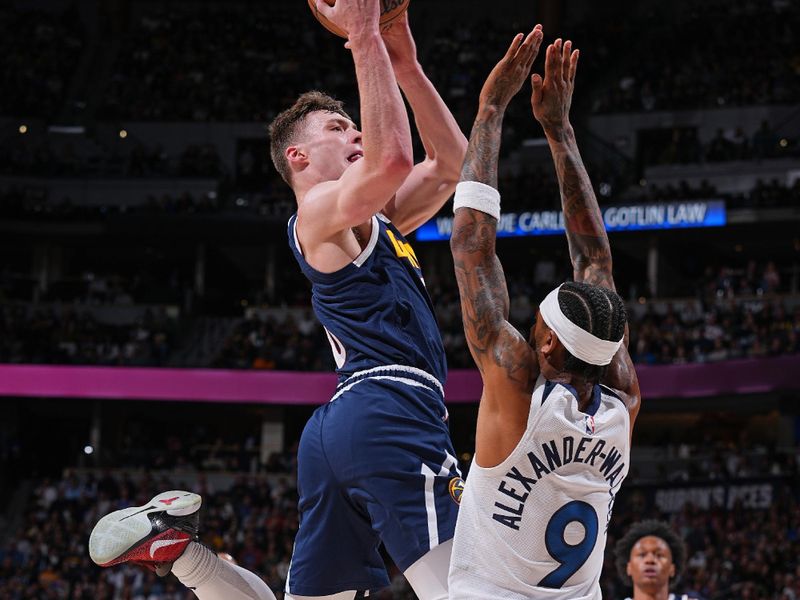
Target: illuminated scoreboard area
632,217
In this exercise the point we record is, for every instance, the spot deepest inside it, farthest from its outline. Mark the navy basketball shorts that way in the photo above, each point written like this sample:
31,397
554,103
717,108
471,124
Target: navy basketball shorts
375,465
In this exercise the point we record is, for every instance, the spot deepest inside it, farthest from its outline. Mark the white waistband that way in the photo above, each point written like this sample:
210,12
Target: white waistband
380,373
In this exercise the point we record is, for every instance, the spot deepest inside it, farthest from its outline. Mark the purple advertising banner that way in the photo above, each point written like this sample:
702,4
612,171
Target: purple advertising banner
286,387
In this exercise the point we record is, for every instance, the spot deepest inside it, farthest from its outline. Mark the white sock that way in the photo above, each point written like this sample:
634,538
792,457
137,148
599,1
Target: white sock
212,578
340,596
428,576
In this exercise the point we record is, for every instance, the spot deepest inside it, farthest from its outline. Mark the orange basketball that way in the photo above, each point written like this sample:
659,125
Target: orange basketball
390,10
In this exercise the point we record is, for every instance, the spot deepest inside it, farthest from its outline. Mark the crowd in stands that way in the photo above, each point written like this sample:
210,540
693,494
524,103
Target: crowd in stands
764,194
532,189
722,331
255,521
29,155
684,146
714,460
39,51
691,57
735,312
89,288
33,202
735,315
68,335
36,201
145,445
734,551
751,280
173,57
187,62
270,343
222,63
535,188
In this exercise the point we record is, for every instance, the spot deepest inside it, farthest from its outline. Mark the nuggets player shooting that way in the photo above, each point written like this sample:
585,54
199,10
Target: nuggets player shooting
557,410
376,462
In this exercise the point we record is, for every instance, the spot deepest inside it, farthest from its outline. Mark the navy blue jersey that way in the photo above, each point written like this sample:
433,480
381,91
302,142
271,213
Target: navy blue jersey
376,310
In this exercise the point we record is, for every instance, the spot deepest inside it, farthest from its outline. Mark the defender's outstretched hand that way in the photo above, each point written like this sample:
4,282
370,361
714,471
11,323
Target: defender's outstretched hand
506,79
552,97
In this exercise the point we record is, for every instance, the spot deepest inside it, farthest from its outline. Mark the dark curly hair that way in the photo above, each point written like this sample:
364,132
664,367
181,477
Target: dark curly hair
596,309
659,529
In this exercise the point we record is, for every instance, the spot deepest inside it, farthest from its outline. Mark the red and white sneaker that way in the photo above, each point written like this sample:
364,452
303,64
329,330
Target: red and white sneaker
153,535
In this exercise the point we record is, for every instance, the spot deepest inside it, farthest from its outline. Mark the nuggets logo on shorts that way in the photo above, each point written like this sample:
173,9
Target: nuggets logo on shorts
456,488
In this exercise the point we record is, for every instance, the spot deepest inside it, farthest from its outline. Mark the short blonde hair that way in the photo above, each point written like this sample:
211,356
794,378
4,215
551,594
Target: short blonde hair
284,128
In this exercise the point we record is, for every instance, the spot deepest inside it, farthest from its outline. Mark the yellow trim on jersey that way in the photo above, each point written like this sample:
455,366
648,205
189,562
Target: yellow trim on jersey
403,249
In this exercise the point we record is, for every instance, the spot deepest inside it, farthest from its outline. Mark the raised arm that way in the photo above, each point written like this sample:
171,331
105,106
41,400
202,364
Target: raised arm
586,233
432,181
503,356
366,186
589,248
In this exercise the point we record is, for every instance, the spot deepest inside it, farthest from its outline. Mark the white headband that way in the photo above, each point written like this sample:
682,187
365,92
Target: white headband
580,343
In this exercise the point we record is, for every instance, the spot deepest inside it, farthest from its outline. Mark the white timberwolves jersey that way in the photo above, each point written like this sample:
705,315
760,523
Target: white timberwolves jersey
535,525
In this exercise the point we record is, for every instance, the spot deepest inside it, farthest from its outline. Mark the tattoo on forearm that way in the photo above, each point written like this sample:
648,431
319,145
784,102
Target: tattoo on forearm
481,281
484,297
480,164
588,242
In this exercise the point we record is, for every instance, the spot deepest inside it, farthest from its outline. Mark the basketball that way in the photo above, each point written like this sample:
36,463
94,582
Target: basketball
390,10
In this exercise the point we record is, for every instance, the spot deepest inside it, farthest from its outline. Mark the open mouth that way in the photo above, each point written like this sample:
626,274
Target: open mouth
355,156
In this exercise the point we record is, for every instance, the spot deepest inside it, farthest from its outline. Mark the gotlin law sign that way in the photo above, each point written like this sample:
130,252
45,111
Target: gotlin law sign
632,217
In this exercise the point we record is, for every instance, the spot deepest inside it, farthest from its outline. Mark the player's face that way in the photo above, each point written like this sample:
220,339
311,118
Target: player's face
332,143
650,565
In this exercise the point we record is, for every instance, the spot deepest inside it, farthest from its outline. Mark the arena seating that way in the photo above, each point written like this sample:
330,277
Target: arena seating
254,519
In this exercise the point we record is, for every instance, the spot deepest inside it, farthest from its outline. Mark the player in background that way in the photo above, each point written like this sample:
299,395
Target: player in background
650,557
557,410
376,465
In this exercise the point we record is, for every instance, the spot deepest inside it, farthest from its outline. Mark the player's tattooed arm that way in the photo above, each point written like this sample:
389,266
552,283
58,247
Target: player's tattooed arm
497,348
493,342
589,249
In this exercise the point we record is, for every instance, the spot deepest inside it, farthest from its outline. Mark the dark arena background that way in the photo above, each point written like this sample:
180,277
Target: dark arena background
156,332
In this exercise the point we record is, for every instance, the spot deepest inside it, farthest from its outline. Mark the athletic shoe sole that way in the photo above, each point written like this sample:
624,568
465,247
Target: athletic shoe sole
141,534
